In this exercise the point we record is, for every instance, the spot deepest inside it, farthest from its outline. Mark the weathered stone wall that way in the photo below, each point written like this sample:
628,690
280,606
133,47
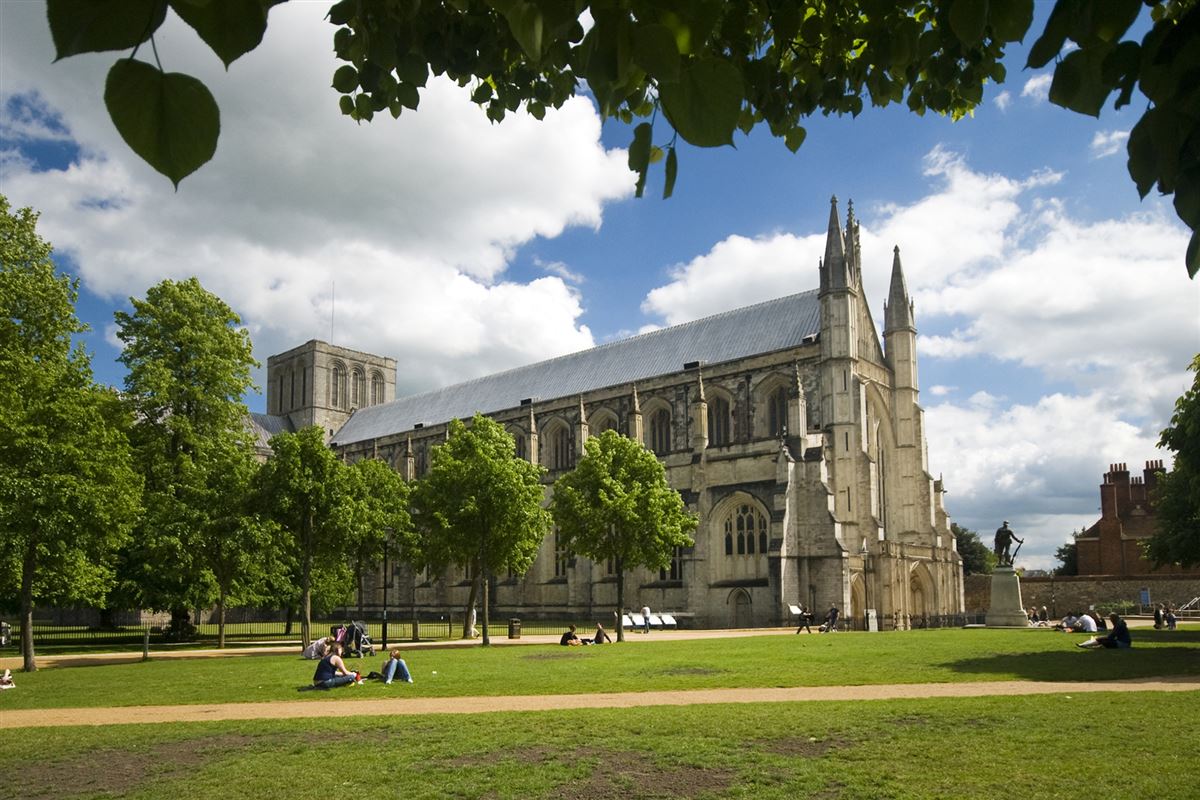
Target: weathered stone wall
1061,594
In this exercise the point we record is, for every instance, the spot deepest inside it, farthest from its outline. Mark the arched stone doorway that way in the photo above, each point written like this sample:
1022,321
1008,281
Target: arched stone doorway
741,610
920,596
858,599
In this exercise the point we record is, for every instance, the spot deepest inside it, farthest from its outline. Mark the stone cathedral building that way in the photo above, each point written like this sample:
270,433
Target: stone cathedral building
788,427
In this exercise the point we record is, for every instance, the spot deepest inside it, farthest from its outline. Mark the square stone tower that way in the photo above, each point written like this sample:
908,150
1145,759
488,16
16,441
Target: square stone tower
321,384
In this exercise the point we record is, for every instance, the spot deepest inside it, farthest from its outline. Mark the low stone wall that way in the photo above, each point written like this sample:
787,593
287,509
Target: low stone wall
1061,594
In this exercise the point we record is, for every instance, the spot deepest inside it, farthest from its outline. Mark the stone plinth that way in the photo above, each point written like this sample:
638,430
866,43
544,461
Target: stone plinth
1006,609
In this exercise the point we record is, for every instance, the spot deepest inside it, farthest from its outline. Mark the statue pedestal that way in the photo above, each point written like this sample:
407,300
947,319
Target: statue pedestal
1006,609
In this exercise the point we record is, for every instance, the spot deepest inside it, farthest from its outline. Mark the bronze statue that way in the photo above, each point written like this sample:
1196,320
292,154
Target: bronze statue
1004,540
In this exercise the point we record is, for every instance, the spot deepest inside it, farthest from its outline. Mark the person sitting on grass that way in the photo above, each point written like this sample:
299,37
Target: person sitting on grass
1118,637
395,667
569,639
1084,624
601,635
319,648
332,670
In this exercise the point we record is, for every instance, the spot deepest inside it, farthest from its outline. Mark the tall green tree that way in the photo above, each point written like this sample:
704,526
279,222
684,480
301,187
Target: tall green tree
1068,558
381,522
306,490
480,506
700,69
1177,500
68,492
188,359
617,504
978,558
240,551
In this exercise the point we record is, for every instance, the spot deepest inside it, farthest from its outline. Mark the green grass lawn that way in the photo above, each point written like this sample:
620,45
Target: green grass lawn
1118,745
850,658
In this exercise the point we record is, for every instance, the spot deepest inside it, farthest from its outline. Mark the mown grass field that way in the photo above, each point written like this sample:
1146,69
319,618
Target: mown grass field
940,656
1136,745
1114,745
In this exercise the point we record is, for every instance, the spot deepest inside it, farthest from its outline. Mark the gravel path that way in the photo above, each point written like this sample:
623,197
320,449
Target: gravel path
32,718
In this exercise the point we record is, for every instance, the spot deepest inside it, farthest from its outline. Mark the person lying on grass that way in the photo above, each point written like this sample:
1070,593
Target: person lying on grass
332,670
1118,637
601,636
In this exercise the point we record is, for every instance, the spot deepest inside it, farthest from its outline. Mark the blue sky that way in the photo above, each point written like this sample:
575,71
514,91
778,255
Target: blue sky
1055,315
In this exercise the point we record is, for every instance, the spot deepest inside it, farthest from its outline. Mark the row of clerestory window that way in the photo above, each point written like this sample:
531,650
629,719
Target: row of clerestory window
352,393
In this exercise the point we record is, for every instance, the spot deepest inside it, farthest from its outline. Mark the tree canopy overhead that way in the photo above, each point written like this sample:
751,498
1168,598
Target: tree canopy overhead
697,69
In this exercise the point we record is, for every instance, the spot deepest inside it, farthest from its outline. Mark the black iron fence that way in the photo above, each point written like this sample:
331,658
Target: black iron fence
260,628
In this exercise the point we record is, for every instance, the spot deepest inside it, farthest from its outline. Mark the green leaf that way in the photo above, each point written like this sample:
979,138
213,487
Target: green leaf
968,20
639,154
672,171
1050,43
93,26
231,28
1192,260
526,23
1143,155
794,138
1010,19
345,80
655,51
169,119
1078,83
1187,197
408,95
1111,18
705,104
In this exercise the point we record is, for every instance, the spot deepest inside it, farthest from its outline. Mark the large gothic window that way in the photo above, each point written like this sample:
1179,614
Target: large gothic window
560,448
777,412
337,386
521,448
376,388
607,422
746,542
718,422
660,431
674,572
562,557
358,389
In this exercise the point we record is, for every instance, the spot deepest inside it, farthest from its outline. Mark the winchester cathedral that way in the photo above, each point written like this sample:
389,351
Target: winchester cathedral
789,429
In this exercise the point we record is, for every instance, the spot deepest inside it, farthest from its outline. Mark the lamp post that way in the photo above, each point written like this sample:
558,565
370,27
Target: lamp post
387,578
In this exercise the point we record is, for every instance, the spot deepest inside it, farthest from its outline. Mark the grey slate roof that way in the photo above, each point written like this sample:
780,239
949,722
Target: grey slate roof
761,328
264,426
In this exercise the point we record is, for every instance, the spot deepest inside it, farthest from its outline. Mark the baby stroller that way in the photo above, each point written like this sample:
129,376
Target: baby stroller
354,639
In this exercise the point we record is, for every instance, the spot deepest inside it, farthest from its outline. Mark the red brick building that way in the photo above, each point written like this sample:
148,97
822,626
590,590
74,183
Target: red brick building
1113,545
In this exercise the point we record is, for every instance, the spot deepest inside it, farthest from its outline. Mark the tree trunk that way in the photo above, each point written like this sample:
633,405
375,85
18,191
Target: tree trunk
620,600
27,569
221,619
306,584
472,597
486,608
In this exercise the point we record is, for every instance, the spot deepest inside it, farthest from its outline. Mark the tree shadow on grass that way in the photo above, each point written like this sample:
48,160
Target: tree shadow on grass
1154,655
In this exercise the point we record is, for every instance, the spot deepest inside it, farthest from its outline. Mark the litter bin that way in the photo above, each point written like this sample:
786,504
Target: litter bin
514,628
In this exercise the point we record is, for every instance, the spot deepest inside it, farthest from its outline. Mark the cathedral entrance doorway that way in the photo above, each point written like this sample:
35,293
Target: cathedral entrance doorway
742,611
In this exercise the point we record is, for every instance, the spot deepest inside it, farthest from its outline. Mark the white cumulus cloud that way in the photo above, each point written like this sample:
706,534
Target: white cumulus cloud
1108,143
413,220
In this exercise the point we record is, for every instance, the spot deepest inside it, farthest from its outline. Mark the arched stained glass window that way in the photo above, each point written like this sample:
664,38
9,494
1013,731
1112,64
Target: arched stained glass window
660,431
718,422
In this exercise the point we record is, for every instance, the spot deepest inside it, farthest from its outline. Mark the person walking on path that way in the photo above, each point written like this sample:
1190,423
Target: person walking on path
645,619
806,619
831,619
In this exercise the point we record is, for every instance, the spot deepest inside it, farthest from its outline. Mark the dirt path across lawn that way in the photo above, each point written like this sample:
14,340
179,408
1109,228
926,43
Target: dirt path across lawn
55,717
